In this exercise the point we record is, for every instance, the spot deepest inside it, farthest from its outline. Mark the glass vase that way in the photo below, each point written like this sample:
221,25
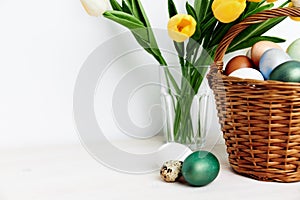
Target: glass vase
185,97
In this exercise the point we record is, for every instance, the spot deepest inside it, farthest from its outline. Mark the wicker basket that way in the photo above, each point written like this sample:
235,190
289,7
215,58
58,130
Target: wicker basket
260,120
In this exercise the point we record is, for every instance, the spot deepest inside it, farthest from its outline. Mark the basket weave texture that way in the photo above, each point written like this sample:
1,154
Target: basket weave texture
260,120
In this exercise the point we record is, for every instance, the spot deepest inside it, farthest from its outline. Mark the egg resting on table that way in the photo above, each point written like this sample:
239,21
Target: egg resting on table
171,170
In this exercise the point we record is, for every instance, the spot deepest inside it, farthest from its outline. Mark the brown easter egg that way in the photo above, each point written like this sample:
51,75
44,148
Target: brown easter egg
238,62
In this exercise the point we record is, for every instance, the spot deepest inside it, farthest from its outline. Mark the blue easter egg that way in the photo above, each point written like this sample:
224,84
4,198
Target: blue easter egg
271,59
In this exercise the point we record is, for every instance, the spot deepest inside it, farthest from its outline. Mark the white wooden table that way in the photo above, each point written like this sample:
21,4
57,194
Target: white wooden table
68,172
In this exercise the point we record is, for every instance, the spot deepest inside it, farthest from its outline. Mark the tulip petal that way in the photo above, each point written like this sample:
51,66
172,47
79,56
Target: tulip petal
181,27
95,7
228,11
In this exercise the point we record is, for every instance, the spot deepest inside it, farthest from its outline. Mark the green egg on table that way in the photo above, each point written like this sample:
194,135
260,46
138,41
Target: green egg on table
200,168
287,72
294,50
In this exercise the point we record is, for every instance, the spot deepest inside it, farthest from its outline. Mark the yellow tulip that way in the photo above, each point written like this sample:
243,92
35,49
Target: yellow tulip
294,18
95,7
181,27
227,11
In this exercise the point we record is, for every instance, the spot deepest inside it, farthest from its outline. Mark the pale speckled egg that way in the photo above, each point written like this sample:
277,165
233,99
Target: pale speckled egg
259,48
238,62
249,73
171,170
270,60
294,50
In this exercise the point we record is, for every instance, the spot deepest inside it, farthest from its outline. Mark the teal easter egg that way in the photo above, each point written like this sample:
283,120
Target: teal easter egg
270,59
294,50
287,72
200,168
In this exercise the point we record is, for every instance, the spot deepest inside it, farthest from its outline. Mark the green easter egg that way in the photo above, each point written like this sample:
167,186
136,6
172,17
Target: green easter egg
200,168
293,50
287,72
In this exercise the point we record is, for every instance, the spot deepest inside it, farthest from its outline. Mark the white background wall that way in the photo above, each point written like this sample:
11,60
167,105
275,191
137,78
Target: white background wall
42,47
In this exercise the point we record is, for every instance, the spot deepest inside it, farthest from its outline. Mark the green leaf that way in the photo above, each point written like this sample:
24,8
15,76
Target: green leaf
255,30
209,29
124,19
171,8
129,4
219,32
252,11
202,7
143,43
250,7
222,28
179,46
129,21
190,10
253,40
284,4
126,8
139,12
115,5
197,34
261,3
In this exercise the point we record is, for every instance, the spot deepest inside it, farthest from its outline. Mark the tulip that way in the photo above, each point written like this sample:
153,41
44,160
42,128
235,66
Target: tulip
181,27
291,4
95,7
227,11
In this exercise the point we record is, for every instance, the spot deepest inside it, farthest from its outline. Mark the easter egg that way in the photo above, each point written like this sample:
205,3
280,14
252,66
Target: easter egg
271,59
294,50
248,53
171,170
287,72
259,48
200,168
247,73
238,62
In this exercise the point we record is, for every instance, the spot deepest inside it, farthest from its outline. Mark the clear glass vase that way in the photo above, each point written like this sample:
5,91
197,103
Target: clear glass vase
185,101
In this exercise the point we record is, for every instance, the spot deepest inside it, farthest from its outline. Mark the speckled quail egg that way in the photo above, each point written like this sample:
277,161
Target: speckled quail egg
171,170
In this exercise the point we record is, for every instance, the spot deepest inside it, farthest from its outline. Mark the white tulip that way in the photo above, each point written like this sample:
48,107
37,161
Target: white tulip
95,7
296,3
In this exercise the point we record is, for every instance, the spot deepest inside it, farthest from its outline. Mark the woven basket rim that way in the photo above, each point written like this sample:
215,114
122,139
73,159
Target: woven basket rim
260,82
